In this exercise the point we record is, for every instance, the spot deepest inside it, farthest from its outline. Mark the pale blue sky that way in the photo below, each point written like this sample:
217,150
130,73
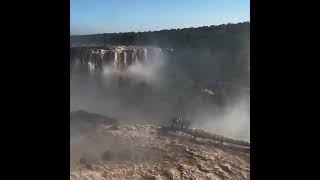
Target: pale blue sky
105,16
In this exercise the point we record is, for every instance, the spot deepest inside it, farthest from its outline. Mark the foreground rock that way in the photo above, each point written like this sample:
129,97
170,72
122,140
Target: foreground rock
83,121
88,117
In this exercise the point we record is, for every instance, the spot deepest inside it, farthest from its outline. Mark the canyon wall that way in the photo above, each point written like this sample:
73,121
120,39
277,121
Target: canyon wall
100,59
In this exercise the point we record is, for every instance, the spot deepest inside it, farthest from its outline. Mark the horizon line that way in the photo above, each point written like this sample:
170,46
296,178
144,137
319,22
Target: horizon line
161,29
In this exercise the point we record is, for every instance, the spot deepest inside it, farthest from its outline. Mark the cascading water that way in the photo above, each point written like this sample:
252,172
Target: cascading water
115,59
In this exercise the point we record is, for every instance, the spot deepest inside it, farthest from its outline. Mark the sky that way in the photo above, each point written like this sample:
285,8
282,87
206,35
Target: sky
107,16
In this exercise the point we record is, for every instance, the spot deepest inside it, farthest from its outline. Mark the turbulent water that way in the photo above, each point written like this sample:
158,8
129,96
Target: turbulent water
145,152
150,85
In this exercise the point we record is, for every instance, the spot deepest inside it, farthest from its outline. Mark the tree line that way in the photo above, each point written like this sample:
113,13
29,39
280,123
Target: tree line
226,36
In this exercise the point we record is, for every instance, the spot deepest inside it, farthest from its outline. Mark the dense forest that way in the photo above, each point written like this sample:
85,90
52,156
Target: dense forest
224,36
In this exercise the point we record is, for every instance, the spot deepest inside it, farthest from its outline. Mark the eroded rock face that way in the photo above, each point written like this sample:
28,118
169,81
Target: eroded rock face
84,122
99,59
82,115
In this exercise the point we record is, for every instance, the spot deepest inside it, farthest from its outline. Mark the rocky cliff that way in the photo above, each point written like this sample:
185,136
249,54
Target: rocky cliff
117,58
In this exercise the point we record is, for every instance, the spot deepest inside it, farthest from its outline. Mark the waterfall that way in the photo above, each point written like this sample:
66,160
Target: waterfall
114,58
